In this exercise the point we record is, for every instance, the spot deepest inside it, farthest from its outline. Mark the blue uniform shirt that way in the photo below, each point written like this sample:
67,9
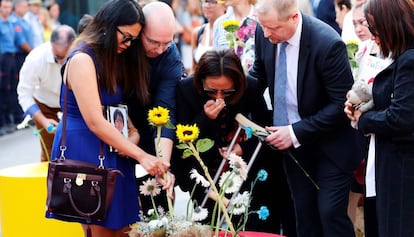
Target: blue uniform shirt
7,37
22,30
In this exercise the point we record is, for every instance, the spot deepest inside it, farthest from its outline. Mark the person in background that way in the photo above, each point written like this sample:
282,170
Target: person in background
83,23
391,121
39,85
44,19
23,31
54,11
211,99
192,17
32,16
348,31
202,36
325,11
304,64
166,69
98,73
8,81
342,7
243,12
368,54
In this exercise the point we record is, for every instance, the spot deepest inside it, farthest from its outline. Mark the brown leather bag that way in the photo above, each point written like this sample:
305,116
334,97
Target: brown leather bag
79,190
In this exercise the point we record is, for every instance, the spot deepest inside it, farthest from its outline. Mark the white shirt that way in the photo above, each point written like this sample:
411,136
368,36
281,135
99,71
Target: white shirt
40,79
36,28
292,59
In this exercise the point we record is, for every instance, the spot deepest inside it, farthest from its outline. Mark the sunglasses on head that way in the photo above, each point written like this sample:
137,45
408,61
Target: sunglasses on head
126,38
215,92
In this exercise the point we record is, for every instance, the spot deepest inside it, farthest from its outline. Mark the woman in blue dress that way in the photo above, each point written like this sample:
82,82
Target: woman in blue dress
105,63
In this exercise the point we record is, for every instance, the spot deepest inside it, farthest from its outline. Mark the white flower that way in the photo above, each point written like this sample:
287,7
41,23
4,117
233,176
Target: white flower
240,203
238,165
199,178
149,187
230,182
200,213
157,224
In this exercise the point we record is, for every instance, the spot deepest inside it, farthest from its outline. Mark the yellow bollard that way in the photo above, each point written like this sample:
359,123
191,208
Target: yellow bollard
23,204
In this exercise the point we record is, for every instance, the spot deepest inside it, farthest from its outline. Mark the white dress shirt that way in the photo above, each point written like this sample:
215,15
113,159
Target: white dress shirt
292,60
40,79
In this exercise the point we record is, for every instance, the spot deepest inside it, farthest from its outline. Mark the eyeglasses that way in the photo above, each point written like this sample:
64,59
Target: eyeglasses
126,38
215,92
209,2
156,43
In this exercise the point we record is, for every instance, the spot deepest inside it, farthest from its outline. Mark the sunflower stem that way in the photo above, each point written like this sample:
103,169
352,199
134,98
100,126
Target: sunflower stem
165,176
214,188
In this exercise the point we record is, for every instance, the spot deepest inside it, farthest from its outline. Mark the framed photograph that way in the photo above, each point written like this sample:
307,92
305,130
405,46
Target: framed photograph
118,116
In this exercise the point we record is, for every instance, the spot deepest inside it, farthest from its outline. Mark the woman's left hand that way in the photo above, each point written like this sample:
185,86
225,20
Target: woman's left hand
167,181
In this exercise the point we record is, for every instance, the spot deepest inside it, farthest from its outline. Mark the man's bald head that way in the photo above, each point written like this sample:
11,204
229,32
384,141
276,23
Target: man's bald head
159,17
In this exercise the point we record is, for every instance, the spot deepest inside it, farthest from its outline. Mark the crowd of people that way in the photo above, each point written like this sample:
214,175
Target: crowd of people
289,71
25,24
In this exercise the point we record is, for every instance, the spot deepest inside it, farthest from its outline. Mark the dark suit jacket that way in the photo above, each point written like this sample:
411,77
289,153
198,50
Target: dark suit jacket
392,121
323,79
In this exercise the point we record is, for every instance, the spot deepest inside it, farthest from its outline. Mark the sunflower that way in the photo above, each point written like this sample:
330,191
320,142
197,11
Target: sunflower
187,133
231,25
158,116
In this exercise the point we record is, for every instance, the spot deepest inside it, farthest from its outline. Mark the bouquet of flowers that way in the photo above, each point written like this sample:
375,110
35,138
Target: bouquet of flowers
241,39
230,182
157,222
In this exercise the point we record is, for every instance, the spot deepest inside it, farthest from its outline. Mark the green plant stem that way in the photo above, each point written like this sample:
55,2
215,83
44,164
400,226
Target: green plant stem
42,141
165,177
304,171
154,206
213,187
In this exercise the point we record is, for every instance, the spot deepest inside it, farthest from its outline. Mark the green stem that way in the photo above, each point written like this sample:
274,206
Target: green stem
304,171
213,187
42,141
165,177
154,206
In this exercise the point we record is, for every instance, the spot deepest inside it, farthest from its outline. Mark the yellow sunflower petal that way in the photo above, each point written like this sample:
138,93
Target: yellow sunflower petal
158,116
231,25
187,133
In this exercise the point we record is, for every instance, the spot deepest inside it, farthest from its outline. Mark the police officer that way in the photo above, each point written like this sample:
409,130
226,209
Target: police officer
8,51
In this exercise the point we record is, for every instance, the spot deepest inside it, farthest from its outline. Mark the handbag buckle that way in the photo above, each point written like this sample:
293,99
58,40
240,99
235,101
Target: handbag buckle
80,177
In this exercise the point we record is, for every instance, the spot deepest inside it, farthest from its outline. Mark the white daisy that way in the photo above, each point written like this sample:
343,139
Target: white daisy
200,213
199,178
230,182
238,165
149,187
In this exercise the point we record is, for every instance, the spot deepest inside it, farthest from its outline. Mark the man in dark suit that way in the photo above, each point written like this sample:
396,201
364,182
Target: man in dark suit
316,132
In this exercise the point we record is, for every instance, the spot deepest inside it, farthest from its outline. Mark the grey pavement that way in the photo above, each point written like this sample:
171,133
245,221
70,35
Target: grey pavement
18,148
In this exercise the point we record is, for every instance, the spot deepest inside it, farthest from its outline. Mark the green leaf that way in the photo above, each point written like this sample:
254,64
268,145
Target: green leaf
169,125
204,144
187,153
182,146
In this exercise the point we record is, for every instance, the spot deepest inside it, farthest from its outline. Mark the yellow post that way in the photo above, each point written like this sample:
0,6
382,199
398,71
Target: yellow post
23,204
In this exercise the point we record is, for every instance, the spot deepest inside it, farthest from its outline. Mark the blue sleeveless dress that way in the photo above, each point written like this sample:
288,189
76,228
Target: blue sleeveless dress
84,145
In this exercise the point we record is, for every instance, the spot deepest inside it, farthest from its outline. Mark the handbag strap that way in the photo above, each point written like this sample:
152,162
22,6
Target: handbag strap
63,140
